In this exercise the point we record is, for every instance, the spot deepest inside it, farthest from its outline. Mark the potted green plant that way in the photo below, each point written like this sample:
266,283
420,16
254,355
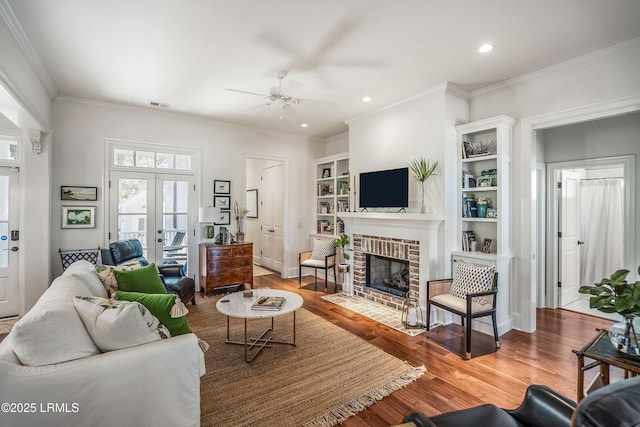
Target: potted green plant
616,295
423,169
341,250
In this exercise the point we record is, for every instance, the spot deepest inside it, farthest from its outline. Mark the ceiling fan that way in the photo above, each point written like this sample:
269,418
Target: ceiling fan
282,96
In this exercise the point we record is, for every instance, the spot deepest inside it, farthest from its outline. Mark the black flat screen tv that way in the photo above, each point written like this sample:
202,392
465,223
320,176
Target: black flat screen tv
385,189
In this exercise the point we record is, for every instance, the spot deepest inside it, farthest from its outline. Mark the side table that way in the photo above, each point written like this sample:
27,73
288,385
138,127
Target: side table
604,355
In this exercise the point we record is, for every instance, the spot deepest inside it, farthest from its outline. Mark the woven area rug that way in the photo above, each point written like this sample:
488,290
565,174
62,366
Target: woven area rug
329,376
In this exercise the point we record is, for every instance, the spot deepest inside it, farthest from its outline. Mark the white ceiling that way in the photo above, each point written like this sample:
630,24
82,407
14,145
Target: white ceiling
186,53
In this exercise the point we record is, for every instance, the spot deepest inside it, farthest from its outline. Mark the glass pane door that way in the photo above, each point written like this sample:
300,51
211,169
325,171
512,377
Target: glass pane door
175,219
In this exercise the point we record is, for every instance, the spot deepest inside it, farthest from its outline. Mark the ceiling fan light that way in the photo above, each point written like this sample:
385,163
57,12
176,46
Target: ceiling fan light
485,48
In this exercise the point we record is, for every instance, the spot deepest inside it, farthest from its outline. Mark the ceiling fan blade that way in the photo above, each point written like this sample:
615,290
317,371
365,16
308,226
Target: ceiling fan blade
247,92
337,34
291,114
316,103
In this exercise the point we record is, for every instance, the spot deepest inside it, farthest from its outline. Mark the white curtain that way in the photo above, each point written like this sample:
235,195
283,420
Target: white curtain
602,228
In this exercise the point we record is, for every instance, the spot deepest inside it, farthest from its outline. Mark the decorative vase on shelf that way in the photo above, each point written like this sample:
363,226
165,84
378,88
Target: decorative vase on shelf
624,338
423,209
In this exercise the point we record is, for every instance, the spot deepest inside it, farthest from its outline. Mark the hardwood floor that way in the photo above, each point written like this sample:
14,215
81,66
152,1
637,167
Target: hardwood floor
451,383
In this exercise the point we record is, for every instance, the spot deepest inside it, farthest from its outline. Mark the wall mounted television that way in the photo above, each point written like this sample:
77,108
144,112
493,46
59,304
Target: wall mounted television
384,189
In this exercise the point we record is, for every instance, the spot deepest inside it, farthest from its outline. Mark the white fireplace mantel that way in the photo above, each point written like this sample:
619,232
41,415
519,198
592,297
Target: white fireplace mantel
425,228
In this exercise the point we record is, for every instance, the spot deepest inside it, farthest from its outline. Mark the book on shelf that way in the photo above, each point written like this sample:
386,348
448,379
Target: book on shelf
468,237
469,207
268,303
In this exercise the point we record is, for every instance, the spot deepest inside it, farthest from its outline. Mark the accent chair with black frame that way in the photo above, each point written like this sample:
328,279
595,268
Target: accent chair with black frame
173,276
322,256
471,294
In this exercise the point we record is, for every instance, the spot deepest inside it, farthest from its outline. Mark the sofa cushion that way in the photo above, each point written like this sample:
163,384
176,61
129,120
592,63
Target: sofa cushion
52,331
108,279
322,248
144,279
471,278
118,324
86,272
159,305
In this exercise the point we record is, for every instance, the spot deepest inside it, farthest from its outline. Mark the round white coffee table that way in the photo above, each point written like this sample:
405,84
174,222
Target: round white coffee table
238,306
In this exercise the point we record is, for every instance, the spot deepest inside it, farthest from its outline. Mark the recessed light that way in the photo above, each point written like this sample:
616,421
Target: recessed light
486,48
304,125
366,99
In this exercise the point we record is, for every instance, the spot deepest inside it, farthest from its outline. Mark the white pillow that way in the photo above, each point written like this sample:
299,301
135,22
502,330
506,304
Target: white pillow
52,332
118,324
322,248
86,273
471,278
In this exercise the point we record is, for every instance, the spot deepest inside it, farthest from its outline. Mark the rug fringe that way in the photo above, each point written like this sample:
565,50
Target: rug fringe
342,413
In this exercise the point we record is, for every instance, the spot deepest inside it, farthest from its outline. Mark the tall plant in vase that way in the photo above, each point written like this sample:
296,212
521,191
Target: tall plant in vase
240,214
341,250
423,169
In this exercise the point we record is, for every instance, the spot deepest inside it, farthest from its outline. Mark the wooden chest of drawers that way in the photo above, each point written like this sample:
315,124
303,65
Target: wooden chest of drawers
224,265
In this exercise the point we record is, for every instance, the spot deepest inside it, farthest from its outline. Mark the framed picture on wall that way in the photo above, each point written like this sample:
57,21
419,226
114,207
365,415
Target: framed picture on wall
78,217
252,203
86,194
222,202
224,219
221,187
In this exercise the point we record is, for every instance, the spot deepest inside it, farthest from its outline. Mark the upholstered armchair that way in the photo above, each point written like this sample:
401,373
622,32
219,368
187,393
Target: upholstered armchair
472,293
322,256
173,276
614,405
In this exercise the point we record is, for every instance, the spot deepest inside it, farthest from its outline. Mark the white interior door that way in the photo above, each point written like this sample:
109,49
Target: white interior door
153,208
568,240
9,235
272,229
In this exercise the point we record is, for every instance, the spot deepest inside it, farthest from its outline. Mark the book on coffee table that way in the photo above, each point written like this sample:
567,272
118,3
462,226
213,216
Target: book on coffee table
268,303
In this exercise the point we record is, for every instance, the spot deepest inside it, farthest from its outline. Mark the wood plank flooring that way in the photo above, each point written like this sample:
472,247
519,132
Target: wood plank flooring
451,383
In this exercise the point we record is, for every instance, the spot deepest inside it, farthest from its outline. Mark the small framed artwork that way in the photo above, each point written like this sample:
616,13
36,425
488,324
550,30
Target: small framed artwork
85,194
326,173
492,213
224,218
221,187
222,202
78,217
486,246
484,182
252,203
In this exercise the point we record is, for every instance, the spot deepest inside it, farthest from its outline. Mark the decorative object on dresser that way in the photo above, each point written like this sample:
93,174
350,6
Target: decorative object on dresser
224,265
208,216
240,214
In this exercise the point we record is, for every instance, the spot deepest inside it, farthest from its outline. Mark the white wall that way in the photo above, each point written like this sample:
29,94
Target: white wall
24,101
80,129
582,84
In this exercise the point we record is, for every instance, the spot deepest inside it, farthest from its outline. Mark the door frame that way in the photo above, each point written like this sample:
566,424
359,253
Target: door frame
553,170
194,173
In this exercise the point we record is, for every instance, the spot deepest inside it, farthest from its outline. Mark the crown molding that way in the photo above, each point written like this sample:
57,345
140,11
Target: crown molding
624,48
7,15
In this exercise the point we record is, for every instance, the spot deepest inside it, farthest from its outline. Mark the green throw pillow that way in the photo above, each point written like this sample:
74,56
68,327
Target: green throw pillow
160,306
144,279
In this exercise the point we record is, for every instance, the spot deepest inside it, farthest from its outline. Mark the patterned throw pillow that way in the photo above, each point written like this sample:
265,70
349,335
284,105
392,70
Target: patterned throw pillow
118,324
108,279
472,278
322,248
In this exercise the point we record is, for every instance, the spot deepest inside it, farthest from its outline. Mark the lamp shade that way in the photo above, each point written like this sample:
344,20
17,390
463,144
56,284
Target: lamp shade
208,214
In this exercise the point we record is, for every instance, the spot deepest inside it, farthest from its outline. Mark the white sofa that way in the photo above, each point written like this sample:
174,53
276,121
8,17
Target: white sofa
51,372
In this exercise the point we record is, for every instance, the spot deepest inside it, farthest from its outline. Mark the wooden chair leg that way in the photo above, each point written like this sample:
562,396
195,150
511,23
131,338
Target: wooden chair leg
315,279
428,325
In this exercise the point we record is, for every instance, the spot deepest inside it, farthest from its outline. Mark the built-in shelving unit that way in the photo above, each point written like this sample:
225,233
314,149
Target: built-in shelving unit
484,162
332,193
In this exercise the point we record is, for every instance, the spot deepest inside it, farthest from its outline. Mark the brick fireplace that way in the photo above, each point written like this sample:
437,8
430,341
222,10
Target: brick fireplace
365,246
410,237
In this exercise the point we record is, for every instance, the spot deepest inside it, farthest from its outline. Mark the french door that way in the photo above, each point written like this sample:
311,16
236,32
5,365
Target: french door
9,235
272,244
153,208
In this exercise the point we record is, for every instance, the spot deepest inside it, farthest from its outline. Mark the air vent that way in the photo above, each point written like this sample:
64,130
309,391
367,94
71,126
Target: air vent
158,104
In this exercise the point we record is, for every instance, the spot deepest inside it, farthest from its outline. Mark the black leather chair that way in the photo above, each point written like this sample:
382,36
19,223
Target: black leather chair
614,405
173,276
